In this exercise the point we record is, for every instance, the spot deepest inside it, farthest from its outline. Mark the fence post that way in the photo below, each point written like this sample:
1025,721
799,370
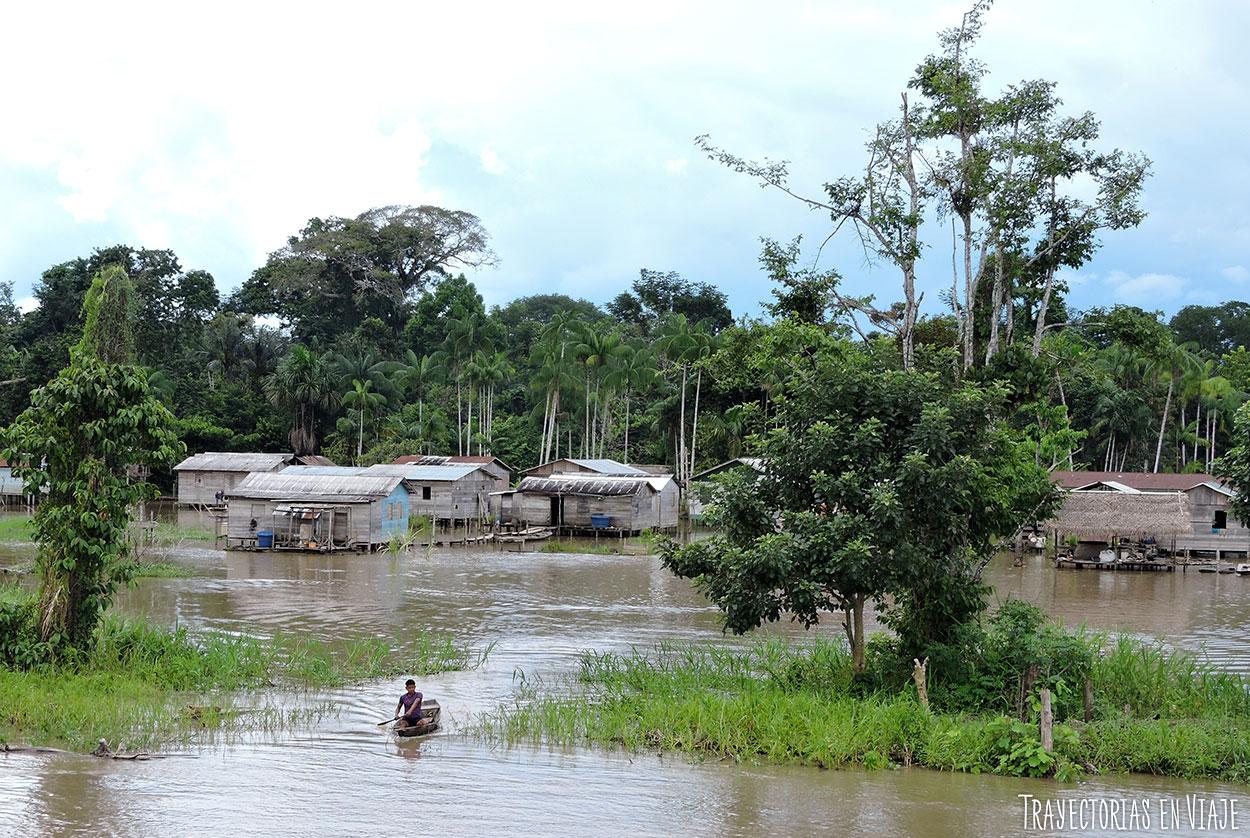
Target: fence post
1089,699
1048,722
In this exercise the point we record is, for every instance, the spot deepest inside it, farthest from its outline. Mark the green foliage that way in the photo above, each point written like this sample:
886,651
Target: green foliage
108,311
877,483
77,441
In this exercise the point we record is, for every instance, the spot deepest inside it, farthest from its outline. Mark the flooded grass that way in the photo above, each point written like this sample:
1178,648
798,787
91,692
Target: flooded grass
160,570
15,528
762,703
148,687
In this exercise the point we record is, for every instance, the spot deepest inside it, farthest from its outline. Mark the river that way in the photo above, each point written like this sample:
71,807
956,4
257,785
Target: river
345,776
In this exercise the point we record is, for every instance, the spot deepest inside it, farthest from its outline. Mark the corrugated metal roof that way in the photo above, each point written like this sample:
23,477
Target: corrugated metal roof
590,484
425,474
341,471
1139,480
750,462
294,485
314,460
421,460
607,466
233,461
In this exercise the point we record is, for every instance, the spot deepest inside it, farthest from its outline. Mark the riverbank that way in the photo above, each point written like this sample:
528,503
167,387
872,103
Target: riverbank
789,703
153,688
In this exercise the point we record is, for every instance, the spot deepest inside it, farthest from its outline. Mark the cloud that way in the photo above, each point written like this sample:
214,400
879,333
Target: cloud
1148,290
492,163
1236,273
677,166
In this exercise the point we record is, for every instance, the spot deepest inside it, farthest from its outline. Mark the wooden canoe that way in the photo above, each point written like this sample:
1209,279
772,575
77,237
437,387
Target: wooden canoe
429,714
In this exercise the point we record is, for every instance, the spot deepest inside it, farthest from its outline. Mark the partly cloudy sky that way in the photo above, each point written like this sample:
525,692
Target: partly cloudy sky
218,130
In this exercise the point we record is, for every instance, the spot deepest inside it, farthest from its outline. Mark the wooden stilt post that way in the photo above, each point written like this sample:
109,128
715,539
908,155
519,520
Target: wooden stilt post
1048,722
1089,699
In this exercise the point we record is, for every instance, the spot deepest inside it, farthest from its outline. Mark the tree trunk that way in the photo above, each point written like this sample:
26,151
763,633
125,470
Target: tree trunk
853,625
681,444
1163,423
694,431
627,426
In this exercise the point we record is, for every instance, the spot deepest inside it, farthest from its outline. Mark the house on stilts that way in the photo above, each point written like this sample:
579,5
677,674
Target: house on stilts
324,508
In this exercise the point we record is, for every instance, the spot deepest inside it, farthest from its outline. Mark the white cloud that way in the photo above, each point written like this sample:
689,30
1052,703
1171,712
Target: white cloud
1236,273
1148,290
677,166
492,163
27,304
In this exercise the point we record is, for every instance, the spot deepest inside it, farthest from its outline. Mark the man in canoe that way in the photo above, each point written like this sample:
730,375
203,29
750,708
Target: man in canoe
408,711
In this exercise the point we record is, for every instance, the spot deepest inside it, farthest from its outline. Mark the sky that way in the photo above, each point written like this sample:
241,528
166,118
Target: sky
217,131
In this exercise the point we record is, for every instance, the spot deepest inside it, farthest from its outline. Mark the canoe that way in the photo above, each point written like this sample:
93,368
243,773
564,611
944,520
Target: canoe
534,534
430,712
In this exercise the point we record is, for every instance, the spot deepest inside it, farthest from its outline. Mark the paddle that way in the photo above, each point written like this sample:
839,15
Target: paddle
388,721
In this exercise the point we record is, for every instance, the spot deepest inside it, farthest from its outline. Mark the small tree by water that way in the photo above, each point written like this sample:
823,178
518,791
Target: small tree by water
75,447
879,484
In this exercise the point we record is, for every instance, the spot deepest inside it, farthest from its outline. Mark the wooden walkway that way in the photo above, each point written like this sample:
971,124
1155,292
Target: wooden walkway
1140,565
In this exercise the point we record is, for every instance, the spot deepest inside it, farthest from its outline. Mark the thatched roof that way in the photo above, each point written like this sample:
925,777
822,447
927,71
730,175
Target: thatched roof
1101,515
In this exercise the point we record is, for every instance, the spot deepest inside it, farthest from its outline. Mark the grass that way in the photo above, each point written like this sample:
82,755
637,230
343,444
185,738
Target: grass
149,687
578,547
1156,712
161,570
169,535
15,528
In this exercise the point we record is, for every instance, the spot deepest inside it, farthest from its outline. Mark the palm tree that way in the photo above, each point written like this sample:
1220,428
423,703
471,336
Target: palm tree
302,383
633,371
413,375
552,358
464,338
1172,360
362,398
676,344
222,345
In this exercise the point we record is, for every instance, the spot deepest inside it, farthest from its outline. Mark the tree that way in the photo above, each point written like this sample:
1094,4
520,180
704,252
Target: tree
303,383
877,483
658,294
76,442
339,271
362,399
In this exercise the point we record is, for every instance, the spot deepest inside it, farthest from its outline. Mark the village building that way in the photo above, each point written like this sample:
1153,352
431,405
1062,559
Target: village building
1123,502
621,504
701,484
492,465
569,465
203,478
317,508
451,493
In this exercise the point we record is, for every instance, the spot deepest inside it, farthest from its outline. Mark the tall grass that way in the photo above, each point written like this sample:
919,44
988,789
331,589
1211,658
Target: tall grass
151,687
798,703
15,528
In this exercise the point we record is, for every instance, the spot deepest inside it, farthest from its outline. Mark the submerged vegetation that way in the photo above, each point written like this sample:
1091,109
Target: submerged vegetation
1154,711
150,687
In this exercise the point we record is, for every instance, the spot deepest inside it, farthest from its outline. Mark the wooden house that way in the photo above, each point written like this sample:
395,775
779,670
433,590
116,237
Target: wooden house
1209,523
568,465
492,465
702,484
11,488
452,492
317,508
202,476
624,504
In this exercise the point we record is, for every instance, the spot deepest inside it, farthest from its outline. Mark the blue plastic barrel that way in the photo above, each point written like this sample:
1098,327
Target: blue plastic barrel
600,522
264,539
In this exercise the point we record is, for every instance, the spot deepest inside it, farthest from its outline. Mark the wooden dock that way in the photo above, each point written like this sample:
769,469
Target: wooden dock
1138,565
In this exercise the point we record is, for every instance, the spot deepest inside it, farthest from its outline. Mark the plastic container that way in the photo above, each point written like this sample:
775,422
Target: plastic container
600,522
264,539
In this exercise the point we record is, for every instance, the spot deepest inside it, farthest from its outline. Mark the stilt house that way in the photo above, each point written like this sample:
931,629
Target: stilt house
453,492
317,508
568,465
624,504
202,476
1209,525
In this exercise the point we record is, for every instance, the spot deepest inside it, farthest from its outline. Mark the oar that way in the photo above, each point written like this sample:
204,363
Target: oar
388,721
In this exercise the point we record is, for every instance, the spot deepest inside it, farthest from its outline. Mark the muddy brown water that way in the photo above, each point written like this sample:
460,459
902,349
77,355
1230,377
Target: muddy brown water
344,776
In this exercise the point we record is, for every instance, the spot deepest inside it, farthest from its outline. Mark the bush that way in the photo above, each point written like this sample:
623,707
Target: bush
20,647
